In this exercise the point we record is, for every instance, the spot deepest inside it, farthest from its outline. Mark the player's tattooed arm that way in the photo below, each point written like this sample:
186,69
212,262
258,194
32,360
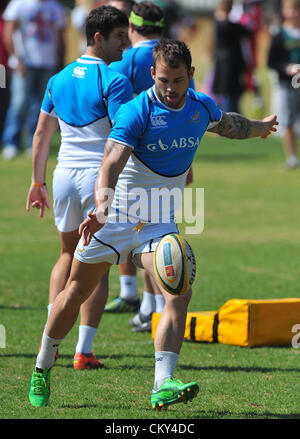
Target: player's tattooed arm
236,126
233,126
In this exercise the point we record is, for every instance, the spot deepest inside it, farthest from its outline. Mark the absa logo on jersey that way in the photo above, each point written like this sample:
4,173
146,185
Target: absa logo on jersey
183,142
158,122
79,72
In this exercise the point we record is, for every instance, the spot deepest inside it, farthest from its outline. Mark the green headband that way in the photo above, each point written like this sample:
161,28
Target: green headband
139,21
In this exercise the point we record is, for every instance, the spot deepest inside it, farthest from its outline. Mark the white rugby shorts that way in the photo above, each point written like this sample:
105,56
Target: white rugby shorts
73,195
115,241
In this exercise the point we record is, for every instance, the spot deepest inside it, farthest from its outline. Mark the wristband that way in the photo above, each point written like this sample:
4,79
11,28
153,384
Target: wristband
39,184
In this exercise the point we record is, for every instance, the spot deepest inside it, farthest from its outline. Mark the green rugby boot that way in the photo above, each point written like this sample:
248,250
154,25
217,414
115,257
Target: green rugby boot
120,305
173,391
39,391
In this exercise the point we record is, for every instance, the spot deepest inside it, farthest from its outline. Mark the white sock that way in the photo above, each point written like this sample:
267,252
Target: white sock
49,309
148,304
129,288
46,356
292,161
85,339
165,363
159,302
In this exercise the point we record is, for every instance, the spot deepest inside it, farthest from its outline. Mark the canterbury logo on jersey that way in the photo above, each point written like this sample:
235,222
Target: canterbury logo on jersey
158,121
79,72
183,142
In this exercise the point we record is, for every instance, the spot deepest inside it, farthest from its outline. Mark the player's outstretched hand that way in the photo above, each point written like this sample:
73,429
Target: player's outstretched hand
269,127
38,198
89,227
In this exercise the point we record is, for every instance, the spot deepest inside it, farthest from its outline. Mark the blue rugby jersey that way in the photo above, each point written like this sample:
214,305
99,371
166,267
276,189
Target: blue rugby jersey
136,64
85,97
163,141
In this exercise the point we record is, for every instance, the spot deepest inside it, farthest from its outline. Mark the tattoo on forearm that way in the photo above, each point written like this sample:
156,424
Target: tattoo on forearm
233,126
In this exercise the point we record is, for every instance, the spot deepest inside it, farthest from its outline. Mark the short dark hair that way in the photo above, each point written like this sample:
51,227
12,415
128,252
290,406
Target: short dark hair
129,2
173,52
103,20
150,12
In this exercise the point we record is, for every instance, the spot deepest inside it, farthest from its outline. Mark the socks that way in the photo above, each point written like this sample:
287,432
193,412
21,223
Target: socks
165,363
129,289
46,356
49,309
159,302
292,161
152,303
85,339
148,305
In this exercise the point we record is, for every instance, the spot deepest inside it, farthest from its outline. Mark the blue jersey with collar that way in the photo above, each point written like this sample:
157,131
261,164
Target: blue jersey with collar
85,97
85,91
165,140
136,64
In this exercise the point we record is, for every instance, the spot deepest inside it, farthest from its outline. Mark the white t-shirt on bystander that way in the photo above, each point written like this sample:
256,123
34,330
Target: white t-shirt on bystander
39,24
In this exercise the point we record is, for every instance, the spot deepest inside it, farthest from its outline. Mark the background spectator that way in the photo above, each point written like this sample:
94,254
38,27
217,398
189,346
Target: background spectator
229,75
284,58
33,34
250,16
4,92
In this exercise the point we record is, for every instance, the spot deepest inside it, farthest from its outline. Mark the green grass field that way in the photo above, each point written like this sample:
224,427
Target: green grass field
249,249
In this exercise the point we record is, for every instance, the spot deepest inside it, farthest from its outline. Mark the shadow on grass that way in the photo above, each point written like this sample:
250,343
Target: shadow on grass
133,366
70,357
18,355
239,369
22,308
79,406
61,356
229,415
124,367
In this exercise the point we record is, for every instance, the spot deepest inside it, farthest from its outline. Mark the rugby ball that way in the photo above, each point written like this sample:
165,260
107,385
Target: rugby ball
174,264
